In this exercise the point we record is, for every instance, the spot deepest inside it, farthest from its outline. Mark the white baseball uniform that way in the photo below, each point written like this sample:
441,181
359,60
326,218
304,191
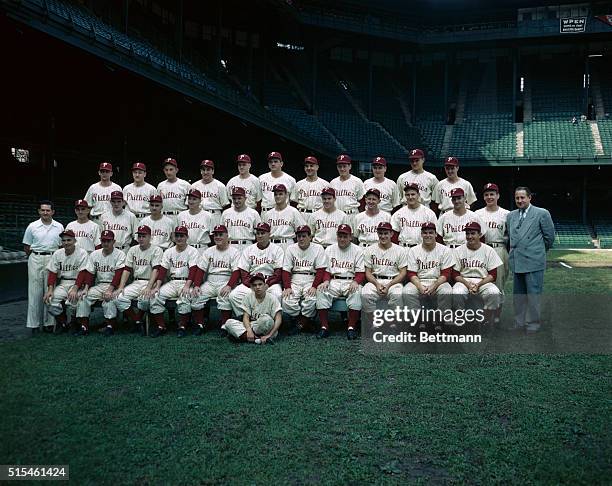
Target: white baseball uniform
98,198
261,313
443,189
348,195
385,265
267,182
496,237
365,227
214,198
87,234
451,227
428,266
161,231
407,222
283,224
141,264
43,240
199,226
342,265
307,195
324,225
251,186
240,225
218,267
426,181
302,265
174,197
103,268
257,260
474,265
177,263
124,225
66,268
137,198
389,195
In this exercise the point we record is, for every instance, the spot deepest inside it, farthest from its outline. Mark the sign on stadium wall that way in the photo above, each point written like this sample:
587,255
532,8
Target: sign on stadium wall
572,25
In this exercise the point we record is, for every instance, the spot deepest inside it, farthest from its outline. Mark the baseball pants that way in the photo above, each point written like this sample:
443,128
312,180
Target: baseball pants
60,294
95,294
339,289
130,293
170,290
210,290
300,303
260,326
38,313
371,300
237,296
444,295
489,292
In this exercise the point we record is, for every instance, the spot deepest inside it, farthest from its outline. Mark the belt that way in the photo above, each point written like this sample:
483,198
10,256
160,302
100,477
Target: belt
173,213
104,281
241,242
342,278
42,252
282,240
141,215
351,211
303,273
213,210
307,210
145,279
496,245
179,278
453,245
389,277
409,245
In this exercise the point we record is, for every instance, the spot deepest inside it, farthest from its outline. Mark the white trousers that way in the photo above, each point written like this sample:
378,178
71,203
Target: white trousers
170,290
130,293
260,326
38,313
237,296
60,294
95,294
371,300
210,290
489,292
443,295
298,302
339,289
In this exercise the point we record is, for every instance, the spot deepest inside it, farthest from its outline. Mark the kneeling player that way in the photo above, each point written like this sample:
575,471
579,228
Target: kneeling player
262,315
475,272
429,267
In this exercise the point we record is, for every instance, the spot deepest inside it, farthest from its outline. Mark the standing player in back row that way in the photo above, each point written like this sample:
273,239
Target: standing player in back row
245,180
442,193
425,181
98,194
349,189
173,191
307,192
274,177
214,193
138,193
389,195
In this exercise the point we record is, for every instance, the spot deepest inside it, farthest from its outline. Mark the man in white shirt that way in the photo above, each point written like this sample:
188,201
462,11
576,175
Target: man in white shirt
161,226
425,181
271,179
451,225
173,191
408,220
283,219
240,220
98,194
214,192
197,221
442,192
326,220
307,192
366,223
87,233
120,221
349,189
389,195
247,181
138,193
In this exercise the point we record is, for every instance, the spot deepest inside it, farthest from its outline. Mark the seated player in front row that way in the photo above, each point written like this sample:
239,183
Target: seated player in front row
262,316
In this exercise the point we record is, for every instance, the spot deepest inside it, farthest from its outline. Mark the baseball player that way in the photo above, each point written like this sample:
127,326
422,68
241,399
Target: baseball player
271,179
429,266
138,194
475,272
389,196
407,221
283,219
197,221
343,279
451,225
161,225
494,218
218,270
366,223
214,192
247,181
179,263
325,221
240,220
173,191
307,192
349,189
262,316
98,194
40,240
87,232
262,257
99,281
425,181
64,267
121,222
304,268
442,192
142,264
385,270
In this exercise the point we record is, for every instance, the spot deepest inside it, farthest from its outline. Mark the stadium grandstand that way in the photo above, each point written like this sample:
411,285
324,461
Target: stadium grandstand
520,92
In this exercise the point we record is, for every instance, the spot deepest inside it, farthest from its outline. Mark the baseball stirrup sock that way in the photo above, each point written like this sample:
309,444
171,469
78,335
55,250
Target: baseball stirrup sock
353,318
198,317
323,317
225,315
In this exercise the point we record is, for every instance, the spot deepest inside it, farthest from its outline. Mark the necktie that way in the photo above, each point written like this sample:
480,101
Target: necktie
521,217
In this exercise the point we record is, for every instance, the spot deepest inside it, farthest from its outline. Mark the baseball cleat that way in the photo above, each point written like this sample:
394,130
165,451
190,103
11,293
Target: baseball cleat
181,332
108,331
81,331
199,329
223,333
157,332
323,333
351,334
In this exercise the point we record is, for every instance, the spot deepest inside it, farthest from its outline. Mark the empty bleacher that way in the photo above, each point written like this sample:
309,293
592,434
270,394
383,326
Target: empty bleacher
603,228
571,234
487,137
558,138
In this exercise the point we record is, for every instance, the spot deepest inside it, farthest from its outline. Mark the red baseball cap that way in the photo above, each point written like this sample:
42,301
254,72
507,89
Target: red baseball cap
257,276
170,161
411,186
343,159
81,203
490,187
238,191
139,166
311,160
220,228
279,188
207,163
384,225
194,193
379,161
105,166
374,191
456,192
303,229
116,195
67,232
473,226
243,158
329,190
344,228
454,161
107,235
275,155
143,230
181,230
416,154
263,227
428,226
156,198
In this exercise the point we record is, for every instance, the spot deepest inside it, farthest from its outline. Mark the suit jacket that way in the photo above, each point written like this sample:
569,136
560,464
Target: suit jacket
530,242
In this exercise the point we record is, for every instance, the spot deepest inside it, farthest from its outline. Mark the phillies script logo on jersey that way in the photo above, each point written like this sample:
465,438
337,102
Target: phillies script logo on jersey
67,267
114,226
267,187
346,192
309,192
179,263
100,197
320,224
160,232
219,263
279,222
383,262
365,228
140,262
192,224
264,260
344,264
209,195
427,265
450,228
104,268
83,234
494,225
247,191
173,195
237,222
302,263
408,223
137,197
467,263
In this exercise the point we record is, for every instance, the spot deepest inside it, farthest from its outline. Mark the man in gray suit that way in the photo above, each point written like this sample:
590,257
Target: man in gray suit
532,232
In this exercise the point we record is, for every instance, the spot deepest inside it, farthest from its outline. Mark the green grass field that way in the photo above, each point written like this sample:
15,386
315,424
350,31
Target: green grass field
202,410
